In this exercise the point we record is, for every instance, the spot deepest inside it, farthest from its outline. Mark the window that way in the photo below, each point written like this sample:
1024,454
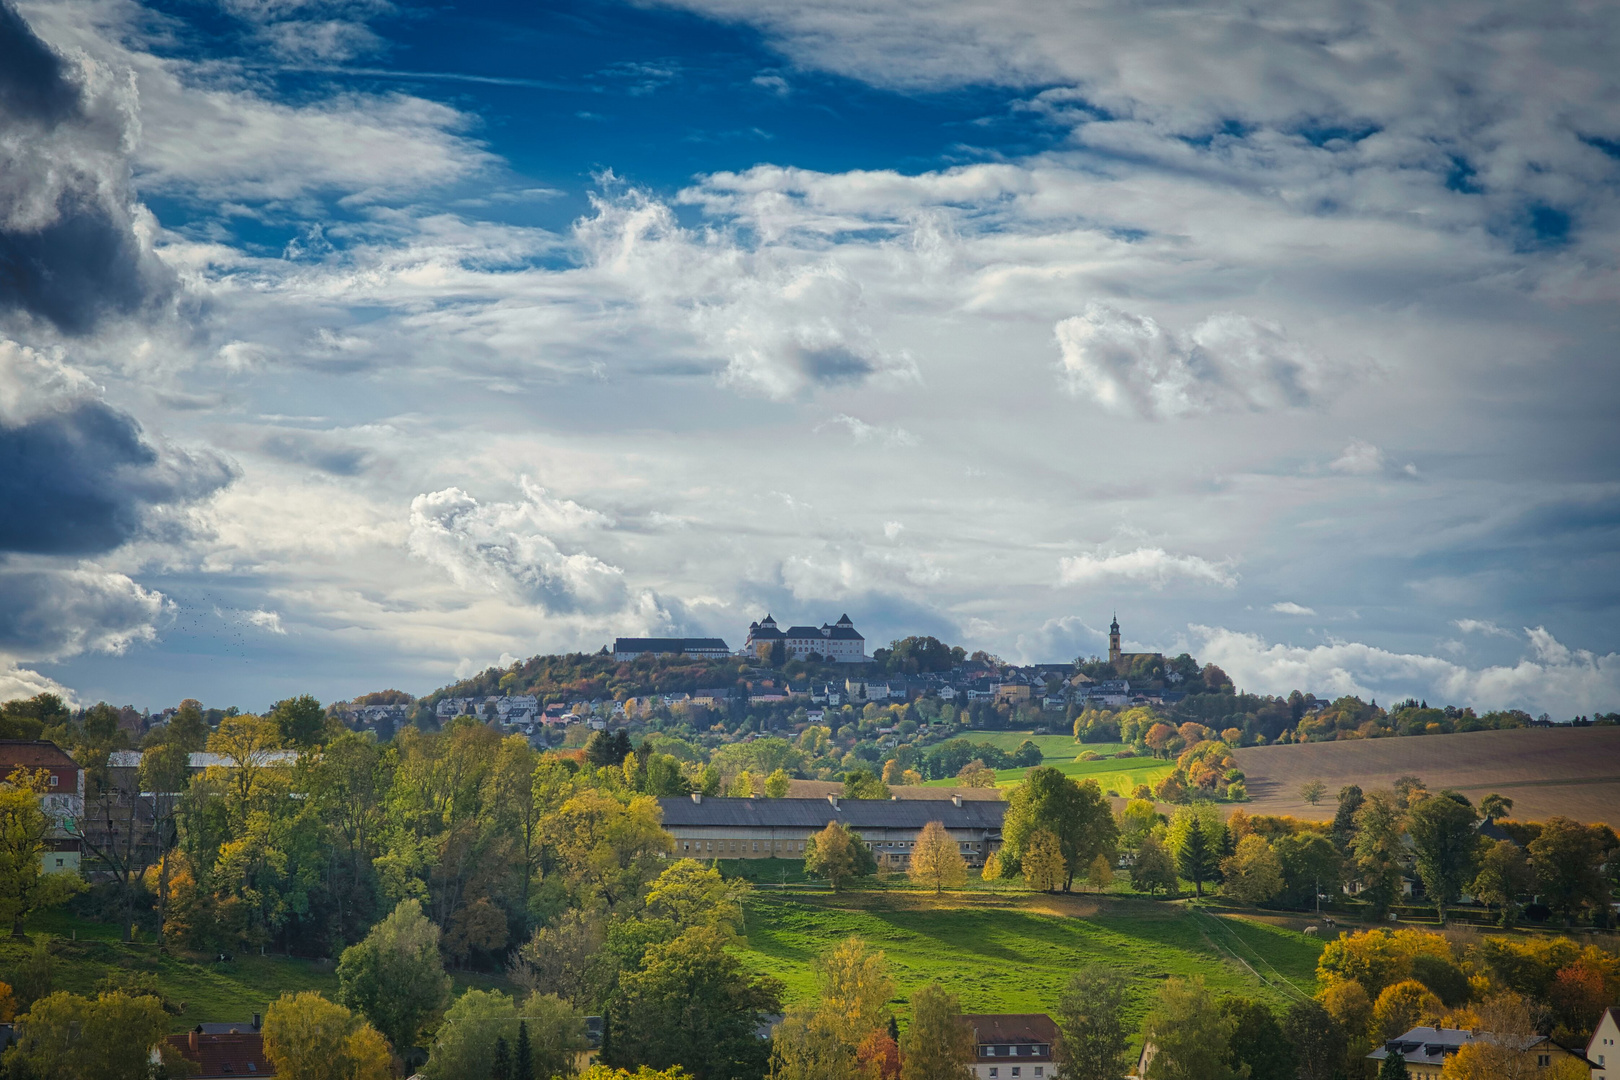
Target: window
59,863
1016,1070
54,780
1543,1060
1039,1072
994,1072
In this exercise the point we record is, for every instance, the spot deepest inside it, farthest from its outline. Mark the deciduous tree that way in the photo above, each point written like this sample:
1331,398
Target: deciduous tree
1091,1025
1253,874
24,833
1190,1034
1443,837
395,977
307,1037
1154,868
105,1038
837,854
936,1045
936,859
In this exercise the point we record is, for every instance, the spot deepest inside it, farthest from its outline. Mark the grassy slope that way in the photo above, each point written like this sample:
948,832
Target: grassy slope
1060,751
1005,953
211,991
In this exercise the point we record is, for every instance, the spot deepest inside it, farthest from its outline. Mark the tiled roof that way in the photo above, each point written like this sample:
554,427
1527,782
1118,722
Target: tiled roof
34,754
229,1055
816,813
1431,1046
1012,1028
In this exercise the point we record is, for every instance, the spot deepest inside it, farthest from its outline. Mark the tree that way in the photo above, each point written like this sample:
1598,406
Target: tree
605,848
1101,874
1393,1067
936,1045
777,784
862,784
1258,1043
300,721
838,854
1567,860
245,742
1196,837
1253,874
104,1038
307,1037
1502,1054
1044,870
164,771
1310,866
855,987
1443,836
465,1046
936,859
1317,1039
1077,814
1154,868
1091,1024
24,833
1379,850
1312,791
187,728
1344,818
395,977
1404,1006
692,1004
557,959
1190,1034
691,894
1494,806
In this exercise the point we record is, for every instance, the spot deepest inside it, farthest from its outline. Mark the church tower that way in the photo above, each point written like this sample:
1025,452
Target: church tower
1114,655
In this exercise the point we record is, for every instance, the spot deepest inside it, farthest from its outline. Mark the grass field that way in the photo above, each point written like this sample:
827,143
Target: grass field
1013,953
1060,752
83,952
1546,772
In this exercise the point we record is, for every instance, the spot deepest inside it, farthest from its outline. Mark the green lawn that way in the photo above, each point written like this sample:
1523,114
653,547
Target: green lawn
1053,747
1014,953
83,952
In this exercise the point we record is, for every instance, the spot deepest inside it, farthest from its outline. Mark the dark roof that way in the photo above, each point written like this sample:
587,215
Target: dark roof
667,644
225,1055
1012,1027
816,813
1431,1046
34,753
843,633
803,632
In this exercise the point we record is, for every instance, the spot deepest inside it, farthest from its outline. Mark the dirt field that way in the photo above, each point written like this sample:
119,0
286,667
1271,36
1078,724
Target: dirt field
1546,772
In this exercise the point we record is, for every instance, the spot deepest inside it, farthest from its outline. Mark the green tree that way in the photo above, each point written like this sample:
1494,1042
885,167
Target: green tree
1197,836
187,729
1091,1024
107,1037
1310,865
936,1044
24,834
1254,873
1190,1034
1393,1067
777,784
691,894
838,854
1344,818
692,1004
1077,814
1257,1042
1443,837
395,977
1504,876
464,1047
300,720
1312,791
1379,850
1317,1039
1154,868
862,784
1568,859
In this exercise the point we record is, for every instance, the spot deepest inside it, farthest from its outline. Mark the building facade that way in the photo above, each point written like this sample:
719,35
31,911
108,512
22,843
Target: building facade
716,828
1425,1050
1605,1044
1013,1046
629,648
62,800
838,642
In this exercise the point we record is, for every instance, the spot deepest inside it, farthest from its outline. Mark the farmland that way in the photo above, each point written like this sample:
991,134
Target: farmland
1013,952
1546,772
1061,752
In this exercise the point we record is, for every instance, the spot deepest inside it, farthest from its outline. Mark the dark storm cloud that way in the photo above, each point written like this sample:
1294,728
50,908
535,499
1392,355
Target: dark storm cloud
83,480
70,252
54,613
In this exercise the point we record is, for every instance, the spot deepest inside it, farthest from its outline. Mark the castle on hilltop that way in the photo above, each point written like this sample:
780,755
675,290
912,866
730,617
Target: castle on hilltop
1124,661
839,643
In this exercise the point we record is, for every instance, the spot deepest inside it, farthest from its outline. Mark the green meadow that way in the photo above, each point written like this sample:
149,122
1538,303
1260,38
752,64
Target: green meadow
1061,751
1013,953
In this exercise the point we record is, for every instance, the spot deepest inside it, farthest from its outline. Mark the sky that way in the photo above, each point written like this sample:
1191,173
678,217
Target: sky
352,344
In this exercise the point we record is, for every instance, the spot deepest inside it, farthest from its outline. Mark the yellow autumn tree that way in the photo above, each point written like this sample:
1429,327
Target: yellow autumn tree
1044,869
307,1037
936,859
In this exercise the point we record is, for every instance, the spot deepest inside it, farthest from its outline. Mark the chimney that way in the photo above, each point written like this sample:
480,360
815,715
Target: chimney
255,1021
192,1039
833,799
956,798
697,796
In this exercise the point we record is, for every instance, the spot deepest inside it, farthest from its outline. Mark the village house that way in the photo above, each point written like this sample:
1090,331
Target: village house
1425,1050
216,1050
718,828
1605,1044
62,800
1013,1046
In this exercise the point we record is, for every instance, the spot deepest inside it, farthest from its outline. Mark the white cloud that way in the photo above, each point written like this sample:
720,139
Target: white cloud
52,613
1151,566
1481,626
861,431
19,682
266,620
1130,365
1553,678
1288,607
505,548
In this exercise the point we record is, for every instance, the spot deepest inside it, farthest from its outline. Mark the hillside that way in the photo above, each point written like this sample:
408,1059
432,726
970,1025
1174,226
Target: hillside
1545,771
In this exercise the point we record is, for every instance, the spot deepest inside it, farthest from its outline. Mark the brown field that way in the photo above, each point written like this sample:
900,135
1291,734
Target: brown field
1546,772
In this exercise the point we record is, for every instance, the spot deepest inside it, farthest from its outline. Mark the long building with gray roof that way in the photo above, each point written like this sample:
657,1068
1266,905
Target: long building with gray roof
712,828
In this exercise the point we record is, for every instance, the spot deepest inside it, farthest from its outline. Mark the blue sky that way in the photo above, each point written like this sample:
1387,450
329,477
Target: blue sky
355,343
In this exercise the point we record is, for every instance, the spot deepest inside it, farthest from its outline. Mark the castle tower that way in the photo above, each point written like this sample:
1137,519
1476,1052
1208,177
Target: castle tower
1114,653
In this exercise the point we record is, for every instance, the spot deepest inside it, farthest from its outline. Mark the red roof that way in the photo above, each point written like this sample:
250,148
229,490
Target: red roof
233,1055
1012,1027
33,754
